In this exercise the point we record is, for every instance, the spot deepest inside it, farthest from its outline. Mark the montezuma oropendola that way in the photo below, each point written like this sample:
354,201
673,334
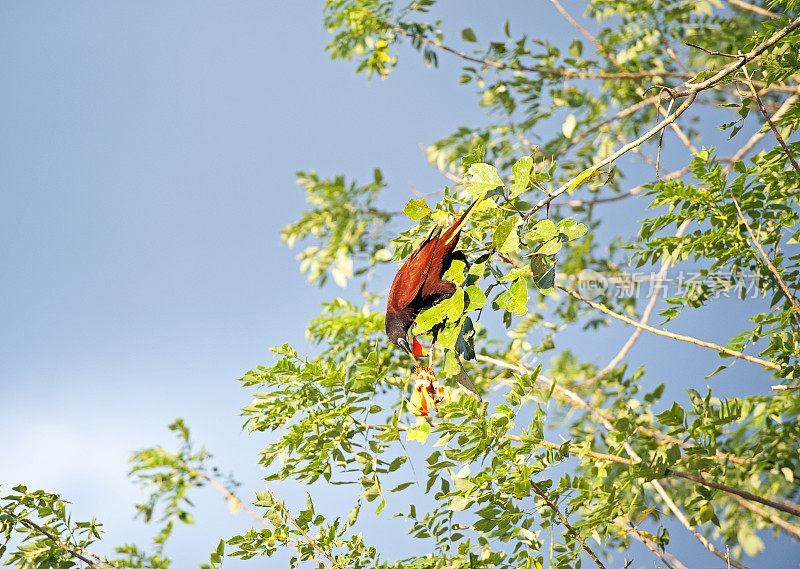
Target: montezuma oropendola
419,284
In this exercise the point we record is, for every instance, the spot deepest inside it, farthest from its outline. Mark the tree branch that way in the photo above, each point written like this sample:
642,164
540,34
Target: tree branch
577,400
36,527
565,522
753,8
689,92
654,294
631,145
788,528
700,537
258,519
763,110
769,264
544,70
664,333
300,529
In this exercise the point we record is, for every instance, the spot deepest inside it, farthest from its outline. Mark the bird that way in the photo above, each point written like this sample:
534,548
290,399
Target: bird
420,283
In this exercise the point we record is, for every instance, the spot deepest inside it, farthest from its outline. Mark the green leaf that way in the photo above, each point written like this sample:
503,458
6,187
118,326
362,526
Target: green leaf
515,299
431,317
544,273
465,342
522,175
672,417
475,298
550,247
455,273
544,230
416,209
580,178
576,48
454,306
468,35
482,178
459,503
263,499
475,156
505,238
571,229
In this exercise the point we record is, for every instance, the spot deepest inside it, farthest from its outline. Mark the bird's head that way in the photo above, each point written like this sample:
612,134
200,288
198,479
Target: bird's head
396,326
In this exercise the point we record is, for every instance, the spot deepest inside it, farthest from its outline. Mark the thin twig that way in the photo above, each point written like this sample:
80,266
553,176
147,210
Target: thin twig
654,295
763,110
99,558
753,8
750,231
632,192
300,529
711,52
769,264
630,109
564,520
788,528
576,400
612,58
569,74
580,402
600,47
664,333
631,145
700,537
36,527
787,104
689,93
673,563
258,519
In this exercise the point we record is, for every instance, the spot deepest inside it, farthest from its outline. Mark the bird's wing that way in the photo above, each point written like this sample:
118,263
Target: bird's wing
415,270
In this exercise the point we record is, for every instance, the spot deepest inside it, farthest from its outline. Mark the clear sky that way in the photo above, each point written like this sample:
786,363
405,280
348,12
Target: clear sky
147,159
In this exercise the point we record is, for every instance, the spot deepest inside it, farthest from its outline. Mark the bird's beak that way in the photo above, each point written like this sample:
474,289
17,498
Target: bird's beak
403,343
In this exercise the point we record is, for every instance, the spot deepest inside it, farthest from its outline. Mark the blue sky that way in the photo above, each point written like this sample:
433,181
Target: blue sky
147,159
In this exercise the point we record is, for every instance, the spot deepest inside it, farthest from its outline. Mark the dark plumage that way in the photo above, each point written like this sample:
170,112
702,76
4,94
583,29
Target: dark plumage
419,284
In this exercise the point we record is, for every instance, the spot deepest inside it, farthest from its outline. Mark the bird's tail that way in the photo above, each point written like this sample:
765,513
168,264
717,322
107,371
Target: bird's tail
456,227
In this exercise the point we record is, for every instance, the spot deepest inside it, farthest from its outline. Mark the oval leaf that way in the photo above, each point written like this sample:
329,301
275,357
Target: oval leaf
505,237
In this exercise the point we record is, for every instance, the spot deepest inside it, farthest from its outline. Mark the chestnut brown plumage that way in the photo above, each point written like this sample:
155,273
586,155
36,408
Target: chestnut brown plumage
419,284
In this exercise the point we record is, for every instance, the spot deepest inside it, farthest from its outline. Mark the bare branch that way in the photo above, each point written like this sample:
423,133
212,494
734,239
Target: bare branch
577,400
573,398
753,8
788,528
600,47
700,537
711,52
631,145
632,192
569,74
673,562
564,521
664,333
654,294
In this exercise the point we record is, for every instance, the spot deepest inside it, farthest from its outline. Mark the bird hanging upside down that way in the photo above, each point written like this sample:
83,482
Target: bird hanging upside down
419,284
